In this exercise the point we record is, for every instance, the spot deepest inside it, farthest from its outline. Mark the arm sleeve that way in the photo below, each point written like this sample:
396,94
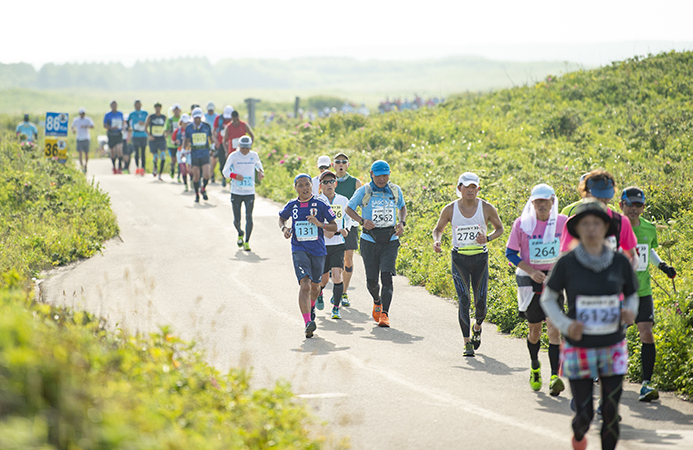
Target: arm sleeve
632,302
549,303
513,256
228,167
654,258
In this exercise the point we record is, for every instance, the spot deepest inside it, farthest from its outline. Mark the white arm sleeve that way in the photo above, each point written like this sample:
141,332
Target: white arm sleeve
549,303
632,302
654,257
227,168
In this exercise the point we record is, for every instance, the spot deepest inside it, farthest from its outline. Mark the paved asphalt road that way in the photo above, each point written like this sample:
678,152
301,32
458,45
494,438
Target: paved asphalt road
407,387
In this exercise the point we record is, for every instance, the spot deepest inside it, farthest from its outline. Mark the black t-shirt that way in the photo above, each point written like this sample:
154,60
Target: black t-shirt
594,298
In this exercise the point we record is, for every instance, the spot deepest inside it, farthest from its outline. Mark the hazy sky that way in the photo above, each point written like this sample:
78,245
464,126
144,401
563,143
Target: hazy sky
43,31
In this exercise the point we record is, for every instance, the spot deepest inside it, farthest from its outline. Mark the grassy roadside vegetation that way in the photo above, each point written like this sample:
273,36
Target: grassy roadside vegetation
633,118
67,381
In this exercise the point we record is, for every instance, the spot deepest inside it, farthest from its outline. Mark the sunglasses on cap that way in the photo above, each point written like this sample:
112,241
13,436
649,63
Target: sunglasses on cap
341,161
326,182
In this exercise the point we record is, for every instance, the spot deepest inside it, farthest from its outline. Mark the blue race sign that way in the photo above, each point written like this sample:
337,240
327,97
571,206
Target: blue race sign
56,124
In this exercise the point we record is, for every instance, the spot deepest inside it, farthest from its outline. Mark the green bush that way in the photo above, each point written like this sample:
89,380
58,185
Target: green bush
632,118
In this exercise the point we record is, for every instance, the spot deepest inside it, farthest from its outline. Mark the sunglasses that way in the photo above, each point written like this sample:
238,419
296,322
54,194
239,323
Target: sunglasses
635,205
326,182
341,161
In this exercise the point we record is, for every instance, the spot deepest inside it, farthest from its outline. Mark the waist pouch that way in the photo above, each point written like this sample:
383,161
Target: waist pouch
381,235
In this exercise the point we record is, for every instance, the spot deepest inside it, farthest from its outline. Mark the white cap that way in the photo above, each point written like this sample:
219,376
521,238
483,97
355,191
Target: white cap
197,112
82,111
175,105
245,142
468,178
185,118
542,191
324,161
210,105
228,109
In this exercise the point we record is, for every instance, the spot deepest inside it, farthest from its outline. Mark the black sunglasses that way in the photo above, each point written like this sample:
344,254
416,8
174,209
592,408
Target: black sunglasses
327,182
341,161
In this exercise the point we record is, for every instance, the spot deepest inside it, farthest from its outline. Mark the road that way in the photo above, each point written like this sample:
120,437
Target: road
406,387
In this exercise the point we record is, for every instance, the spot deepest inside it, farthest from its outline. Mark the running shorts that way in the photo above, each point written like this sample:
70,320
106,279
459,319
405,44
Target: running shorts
352,239
83,146
379,258
583,362
115,139
173,152
307,265
645,310
335,257
157,145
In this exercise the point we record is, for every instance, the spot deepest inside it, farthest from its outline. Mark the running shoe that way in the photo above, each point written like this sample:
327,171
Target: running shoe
468,349
212,180
178,178
556,385
319,303
126,171
84,170
173,175
345,300
312,313
120,171
535,378
204,194
160,179
579,445
648,393
246,246
186,187
197,198
384,320
376,311
154,171
310,328
115,171
476,338
239,242
336,314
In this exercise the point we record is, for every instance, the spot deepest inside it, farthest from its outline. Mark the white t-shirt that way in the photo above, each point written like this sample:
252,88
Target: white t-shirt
316,186
82,127
245,165
339,204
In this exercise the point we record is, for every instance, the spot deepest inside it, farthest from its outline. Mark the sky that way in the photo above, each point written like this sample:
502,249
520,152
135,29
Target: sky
128,30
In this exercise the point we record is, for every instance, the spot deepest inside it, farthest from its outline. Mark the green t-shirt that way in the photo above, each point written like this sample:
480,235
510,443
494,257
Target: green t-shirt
568,210
646,233
169,127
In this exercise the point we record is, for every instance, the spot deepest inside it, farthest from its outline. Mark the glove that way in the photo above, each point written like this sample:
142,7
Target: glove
667,269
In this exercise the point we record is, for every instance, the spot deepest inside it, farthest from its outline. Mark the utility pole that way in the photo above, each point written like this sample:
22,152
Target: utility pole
251,110
296,103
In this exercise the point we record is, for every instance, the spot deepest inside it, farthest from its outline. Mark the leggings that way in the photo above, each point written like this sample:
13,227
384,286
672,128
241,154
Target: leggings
584,409
470,272
139,145
236,201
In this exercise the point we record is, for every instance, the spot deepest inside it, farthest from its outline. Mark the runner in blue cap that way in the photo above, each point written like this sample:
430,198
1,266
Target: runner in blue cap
310,218
383,218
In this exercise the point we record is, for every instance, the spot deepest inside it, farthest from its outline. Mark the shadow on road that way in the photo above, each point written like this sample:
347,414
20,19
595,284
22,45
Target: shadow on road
343,326
653,437
356,316
489,365
242,255
201,206
653,411
393,335
318,346
556,405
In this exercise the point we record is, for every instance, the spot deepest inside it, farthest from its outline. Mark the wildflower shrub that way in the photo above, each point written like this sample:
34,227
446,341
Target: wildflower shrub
632,118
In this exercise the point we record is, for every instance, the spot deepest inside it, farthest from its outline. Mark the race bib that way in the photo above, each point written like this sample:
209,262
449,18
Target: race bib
247,182
467,234
600,314
540,253
306,231
337,209
383,217
234,142
158,131
199,139
643,257
139,126
117,123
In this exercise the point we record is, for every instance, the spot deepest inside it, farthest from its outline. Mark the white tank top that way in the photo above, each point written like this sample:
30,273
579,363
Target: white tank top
465,230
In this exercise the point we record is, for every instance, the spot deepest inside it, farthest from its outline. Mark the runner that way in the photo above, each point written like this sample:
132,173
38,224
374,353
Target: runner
198,137
346,186
138,137
334,242
533,246
324,164
308,216
233,132
601,185
156,129
81,126
182,155
113,123
568,210
219,124
633,204
380,201
27,129
170,126
211,118
241,167
127,146
469,218
594,278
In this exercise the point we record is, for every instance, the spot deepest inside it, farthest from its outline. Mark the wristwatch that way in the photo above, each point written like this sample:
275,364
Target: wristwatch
404,223
362,220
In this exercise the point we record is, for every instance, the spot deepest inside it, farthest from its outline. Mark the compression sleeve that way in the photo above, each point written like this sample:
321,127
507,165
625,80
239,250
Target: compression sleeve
632,302
549,303
513,256
654,257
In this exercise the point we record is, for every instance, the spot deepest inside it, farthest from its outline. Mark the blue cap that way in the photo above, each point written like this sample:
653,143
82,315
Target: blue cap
380,167
602,188
302,175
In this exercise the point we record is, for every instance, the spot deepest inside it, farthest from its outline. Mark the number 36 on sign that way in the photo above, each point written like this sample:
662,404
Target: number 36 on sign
55,147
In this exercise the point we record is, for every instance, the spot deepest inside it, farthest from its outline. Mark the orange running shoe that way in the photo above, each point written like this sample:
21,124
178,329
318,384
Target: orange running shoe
376,312
384,320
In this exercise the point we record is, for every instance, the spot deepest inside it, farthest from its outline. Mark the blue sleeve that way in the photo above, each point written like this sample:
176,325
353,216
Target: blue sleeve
513,256
106,119
400,200
357,198
285,212
188,131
